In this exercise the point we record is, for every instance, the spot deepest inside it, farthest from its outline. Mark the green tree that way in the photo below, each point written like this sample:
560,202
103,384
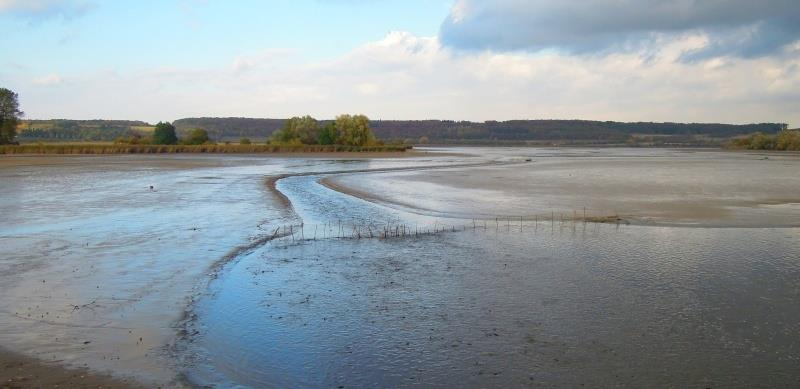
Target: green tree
328,135
354,130
244,141
298,129
9,115
198,136
164,134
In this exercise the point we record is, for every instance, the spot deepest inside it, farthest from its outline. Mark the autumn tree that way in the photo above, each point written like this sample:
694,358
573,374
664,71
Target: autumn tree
198,136
9,115
298,130
354,130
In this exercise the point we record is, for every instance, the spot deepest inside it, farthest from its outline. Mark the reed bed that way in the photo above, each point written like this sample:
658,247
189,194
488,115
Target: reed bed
93,148
505,224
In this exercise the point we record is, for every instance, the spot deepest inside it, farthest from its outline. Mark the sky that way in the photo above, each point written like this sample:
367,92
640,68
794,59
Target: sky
730,61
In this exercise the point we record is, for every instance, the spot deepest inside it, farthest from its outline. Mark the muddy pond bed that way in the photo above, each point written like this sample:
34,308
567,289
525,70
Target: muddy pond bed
191,285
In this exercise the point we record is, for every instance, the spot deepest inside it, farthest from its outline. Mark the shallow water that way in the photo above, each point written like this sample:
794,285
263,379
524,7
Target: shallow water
96,269
89,254
603,307
554,304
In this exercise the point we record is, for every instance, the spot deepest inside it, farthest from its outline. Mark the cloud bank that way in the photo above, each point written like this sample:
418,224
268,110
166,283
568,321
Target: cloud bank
743,28
404,76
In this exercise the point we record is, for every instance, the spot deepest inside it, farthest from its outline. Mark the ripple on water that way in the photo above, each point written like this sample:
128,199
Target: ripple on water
558,305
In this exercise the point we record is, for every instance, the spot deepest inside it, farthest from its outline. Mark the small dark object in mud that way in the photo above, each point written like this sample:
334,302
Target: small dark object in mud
527,159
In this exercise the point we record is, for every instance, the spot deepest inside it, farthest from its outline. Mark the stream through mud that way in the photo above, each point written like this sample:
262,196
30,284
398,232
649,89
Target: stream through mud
241,271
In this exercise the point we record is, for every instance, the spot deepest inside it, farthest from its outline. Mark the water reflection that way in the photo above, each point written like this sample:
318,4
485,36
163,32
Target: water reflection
556,304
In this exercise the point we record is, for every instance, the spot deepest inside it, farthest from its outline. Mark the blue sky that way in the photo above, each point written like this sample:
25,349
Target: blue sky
732,61
125,35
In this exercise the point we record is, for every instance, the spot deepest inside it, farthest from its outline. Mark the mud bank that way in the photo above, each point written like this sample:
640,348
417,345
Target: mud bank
698,189
17,371
184,161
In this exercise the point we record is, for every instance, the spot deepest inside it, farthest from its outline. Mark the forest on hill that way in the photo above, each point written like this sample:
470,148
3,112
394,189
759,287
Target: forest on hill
579,132
63,130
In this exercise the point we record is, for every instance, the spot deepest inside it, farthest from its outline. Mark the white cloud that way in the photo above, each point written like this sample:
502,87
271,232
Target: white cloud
408,77
48,80
241,64
368,88
261,60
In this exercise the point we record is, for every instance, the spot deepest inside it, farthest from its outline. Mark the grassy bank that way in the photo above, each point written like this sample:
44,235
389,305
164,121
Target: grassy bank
99,148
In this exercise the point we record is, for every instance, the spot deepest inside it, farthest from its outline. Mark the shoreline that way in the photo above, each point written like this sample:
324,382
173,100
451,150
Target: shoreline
196,160
21,371
102,148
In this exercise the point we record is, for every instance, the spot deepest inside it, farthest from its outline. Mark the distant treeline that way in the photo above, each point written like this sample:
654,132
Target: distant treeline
559,131
508,132
424,131
79,130
786,140
231,128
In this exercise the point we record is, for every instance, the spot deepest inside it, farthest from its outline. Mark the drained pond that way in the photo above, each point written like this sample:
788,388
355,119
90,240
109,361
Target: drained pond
460,267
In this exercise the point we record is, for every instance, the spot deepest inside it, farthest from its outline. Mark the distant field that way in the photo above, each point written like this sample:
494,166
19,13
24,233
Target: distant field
110,148
143,129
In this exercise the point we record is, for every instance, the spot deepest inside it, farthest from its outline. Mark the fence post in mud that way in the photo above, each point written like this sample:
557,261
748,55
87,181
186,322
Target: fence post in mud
315,232
584,214
291,231
302,231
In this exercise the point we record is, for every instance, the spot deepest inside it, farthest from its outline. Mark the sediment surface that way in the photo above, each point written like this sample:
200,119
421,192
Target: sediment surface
248,271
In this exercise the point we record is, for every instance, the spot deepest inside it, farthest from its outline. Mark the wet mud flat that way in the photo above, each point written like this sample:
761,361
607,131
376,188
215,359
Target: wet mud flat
550,305
650,187
510,304
17,371
185,285
98,269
